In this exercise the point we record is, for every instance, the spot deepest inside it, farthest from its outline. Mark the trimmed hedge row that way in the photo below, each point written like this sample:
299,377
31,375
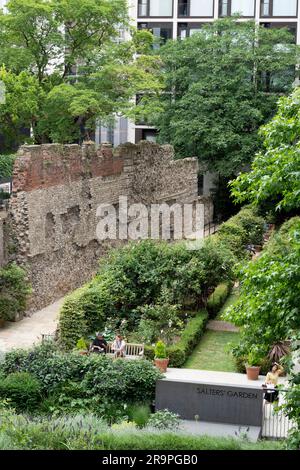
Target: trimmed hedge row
191,335
14,291
6,165
244,228
218,298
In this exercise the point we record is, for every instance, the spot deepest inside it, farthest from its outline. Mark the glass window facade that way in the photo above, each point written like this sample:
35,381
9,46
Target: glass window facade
161,31
244,7
201,8
284,8
186,30
196,8
278,8
161,7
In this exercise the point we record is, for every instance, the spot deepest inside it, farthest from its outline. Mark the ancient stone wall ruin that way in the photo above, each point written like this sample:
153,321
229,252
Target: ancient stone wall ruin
56,192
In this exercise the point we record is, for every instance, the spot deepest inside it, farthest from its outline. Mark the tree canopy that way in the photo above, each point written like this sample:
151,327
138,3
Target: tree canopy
221,85
77,64
268,305
275,177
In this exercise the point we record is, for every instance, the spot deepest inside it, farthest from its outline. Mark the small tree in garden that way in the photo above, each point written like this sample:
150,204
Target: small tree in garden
14,291
274,180
221,85
65,66
268,306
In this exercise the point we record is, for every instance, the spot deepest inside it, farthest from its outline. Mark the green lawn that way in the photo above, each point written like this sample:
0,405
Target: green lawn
211,354
230,301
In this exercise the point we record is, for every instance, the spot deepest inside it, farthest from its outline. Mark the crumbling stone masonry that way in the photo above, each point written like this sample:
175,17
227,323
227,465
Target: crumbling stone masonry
56,192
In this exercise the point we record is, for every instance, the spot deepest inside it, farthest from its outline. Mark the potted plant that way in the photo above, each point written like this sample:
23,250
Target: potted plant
160,359
253,365
81,346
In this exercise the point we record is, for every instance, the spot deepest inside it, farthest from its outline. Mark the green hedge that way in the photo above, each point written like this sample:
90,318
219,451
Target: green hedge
244,228
70,379
22,389
179,352
218,298
14,291
6,165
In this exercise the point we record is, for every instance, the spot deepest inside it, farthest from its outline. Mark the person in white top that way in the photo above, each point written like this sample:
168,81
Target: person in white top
119,346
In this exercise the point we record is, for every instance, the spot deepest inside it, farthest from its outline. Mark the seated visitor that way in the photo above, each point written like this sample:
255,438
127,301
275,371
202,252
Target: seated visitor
119,346
271,382
99,345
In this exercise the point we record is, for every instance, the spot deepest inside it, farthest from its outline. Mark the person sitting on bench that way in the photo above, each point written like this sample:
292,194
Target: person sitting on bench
99,345
119,347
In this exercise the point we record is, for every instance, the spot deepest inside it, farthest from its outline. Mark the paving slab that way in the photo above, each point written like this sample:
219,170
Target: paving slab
214,377
204,428
29,330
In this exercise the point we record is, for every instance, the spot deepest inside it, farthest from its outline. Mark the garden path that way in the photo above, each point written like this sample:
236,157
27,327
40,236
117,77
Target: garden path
29,330
218,325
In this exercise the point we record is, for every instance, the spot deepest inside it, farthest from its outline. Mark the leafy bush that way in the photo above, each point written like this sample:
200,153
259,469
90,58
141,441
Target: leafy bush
244,228
122,380
22,389
88,432
144,281
83,382
160,351
218,298
268,306
164,419
14,291
139,414
190,336
6,165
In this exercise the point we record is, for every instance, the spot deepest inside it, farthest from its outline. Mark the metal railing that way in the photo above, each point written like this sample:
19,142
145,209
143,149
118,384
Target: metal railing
211,228
276,425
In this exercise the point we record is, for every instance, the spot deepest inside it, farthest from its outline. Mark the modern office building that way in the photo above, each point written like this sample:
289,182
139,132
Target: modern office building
173,19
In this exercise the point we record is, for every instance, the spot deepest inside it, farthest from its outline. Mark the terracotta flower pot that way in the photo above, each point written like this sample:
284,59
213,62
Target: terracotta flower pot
252,372
162,364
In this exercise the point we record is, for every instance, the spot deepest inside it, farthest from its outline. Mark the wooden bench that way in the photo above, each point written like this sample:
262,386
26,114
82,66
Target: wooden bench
133,351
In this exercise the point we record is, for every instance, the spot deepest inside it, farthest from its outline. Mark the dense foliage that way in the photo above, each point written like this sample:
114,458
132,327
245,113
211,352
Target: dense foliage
23,390
14,291
189,338
6,165
71,382
145,286
75,68
268,307
274,181
88,432
222,84
150,290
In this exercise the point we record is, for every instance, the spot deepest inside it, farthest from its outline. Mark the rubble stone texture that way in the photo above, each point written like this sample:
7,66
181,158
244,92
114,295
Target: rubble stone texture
56,191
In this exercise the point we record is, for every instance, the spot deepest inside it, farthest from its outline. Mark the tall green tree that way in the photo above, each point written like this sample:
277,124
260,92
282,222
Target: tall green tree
222,84
84,71
274,179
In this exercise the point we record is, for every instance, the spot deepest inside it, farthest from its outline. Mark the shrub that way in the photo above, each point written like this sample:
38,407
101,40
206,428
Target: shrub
190,336
14,291
139,414
218,298
244,228
121,380
268,306
6,165
144,281
22,389
160,351
163,420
